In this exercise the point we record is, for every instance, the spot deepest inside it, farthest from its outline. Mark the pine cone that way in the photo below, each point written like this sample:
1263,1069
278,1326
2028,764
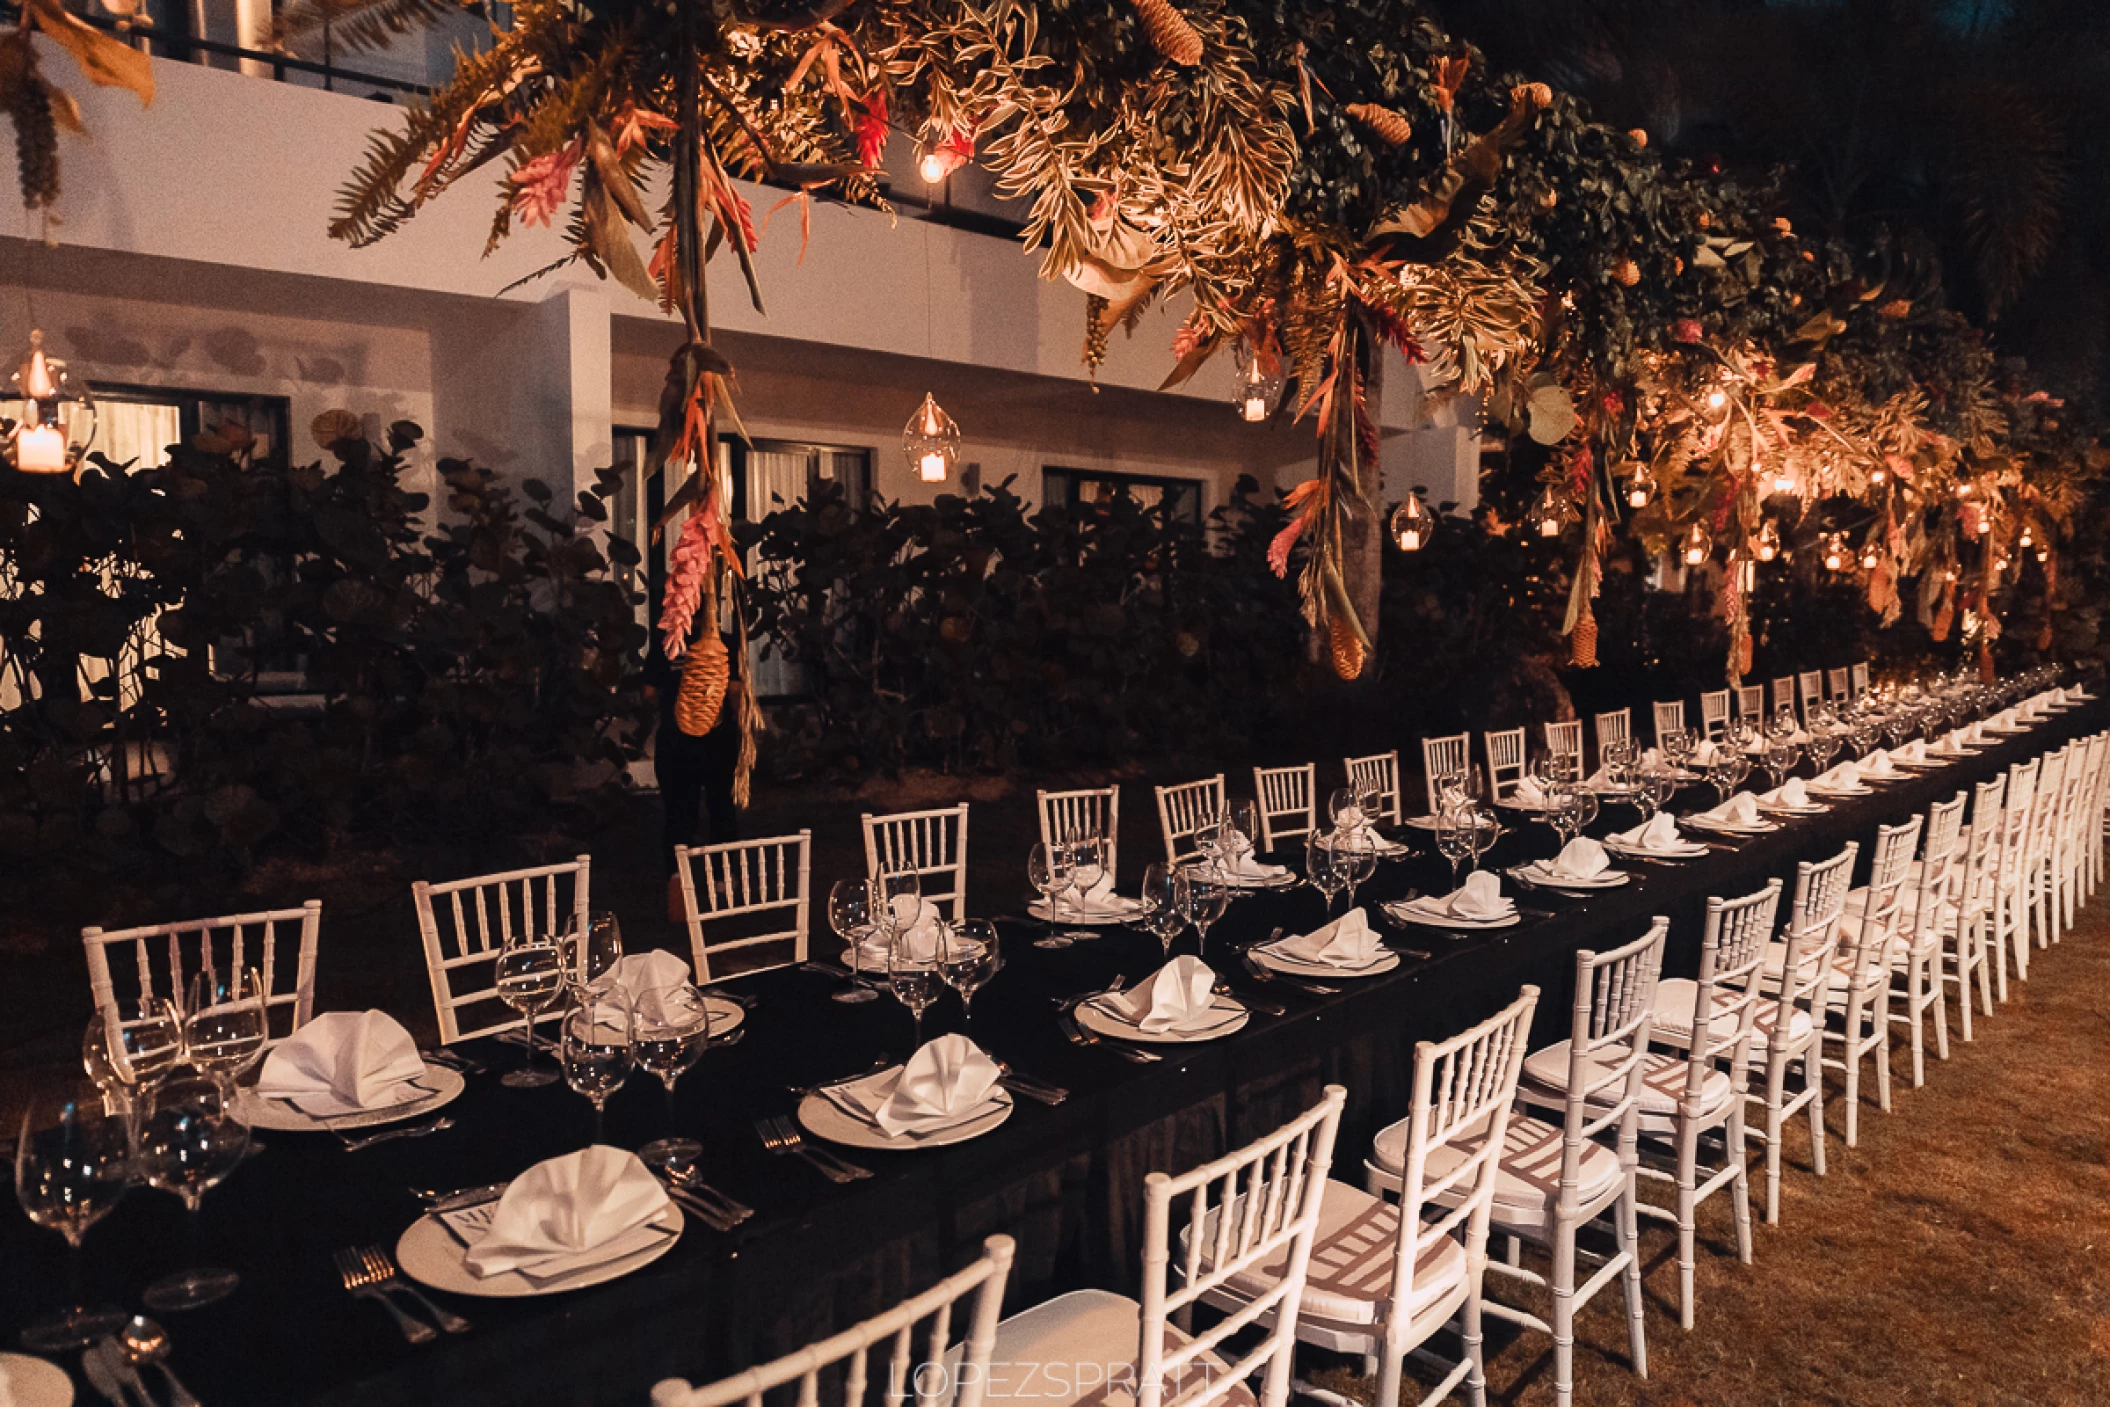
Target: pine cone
1627,273
1348,653
1583,643
1388,126
704,676
36,142
1169,32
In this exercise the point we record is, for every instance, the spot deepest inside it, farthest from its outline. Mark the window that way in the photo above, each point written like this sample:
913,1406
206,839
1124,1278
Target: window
139,423
1079,490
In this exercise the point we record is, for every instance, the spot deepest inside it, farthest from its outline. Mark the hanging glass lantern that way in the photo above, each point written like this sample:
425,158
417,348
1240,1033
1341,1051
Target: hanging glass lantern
931,441
1259,380
1768,541
1641,487
1784,478
53,422
1835,552
1550,514
1870,556
1696,545
1412,524
2026,539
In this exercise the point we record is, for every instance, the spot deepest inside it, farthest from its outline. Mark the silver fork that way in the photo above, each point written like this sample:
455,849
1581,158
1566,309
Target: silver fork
383,1268
353,1145
780,1138
1264,1007
360,1282
688,1181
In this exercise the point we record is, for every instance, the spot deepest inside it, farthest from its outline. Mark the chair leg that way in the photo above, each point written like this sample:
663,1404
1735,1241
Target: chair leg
1475,1350
1391,1369
1688,1159
1563,1286
1882,1047
1915,981
1628,1222
1776,1095
1985,974
1853,1072
1940,999
1813,1079
1740,1184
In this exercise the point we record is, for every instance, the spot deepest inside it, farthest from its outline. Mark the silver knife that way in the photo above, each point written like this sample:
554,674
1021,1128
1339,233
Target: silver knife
101,1376
468,1197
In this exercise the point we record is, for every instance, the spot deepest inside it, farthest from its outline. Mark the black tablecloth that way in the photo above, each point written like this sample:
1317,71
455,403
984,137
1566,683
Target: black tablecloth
1065,1181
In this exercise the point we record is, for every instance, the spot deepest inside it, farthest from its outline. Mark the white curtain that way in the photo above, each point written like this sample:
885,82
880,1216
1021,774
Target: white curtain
134,431
772,476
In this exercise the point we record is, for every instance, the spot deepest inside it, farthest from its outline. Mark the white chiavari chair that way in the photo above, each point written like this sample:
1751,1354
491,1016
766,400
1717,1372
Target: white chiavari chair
1505,761
937,1374
1441,757
1861,967
1697,1085
1751,703
932,844
1927,914
1288,810
2038,865
1970,942
1558,1177
1379,772
467,923
1182,812
1614,727
1669,717
1810,685
1859,679
1836,686
2010,913
1247,1220
1566,740
1714,714
2093,823
1385,1278
1093,809
230,943
2066,841
725,886
1784,694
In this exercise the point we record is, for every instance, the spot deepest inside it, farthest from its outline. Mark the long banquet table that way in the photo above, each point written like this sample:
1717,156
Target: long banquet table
1064,1181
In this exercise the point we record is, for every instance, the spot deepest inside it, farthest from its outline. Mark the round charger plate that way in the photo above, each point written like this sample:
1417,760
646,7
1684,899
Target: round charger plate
1725,828
1420,823
430,1255
821,1118
1069,915
28,1381
1296,967
1610,879
261,1113
1685,850
1463,925
1099,1023
1781,808
1816,790
1286,880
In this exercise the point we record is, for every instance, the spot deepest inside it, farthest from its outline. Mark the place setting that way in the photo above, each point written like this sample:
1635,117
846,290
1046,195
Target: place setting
1182,1002
949,1091
1790,798
1840,780
1656,840
346,1070
1583,866
1739,815
1346,947
1475,906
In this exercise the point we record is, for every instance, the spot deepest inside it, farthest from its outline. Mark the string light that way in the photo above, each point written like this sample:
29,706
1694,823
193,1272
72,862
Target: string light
1784,478
1877,474
931,167
2025,539
1412,524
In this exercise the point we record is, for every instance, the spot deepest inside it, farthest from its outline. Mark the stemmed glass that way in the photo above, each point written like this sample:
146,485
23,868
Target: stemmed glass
1781,757
1354,860
68,1175
854,912
967,956
1203,897
529,978
1087,867
1563,805
1486,830
1048,869
1454,838
1658,784
914,975
124,1054
1321,868
1721,774
1160,898
189,1141
670,1030
1824,744
597,1049
1345,810
1867,731
1238,831
1899,725
225,1025
591,951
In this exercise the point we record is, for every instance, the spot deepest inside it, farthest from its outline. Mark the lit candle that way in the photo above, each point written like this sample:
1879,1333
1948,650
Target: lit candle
41,449
1410,540
932,468
1253,408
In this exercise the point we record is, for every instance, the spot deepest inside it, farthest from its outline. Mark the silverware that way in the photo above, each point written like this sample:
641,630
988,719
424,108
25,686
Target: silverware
732,1037
354,1145
821,969
694,1205
1265,1008
1407,952
383,1269
144,1341
359,1281
1078,1035
463,1197
1071,1003
102,1374
1031,1087
689,1181
1516,873
801,1091
1262,972
452,1060
781,1137
739,999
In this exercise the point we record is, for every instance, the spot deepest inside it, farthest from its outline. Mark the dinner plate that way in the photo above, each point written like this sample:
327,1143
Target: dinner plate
1685,850
1040,911
1384,962
1610,879
1530,807
1101,1022
1728,828
823,1118
1818,789
27,1381
1407,914
1421,823
259,1112
1921,764
1781,808
430,1255
1286,880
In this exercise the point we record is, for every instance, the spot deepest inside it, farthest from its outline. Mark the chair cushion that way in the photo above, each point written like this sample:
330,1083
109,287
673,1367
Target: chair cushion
1528,1183
1677,998
1083,1347
1352,1260
1662,1079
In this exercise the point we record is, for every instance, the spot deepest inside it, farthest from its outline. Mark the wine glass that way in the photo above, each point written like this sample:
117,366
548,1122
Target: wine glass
1824,744
68,1175
1560,808
1454,838
226,1023
1203,897
1048,869
967,957
597,1047
670,1030
189,1142
1087,868
1238,830
1781,757
124,1054
1320,871
1345,809
529,978
1487,829
1867,732
853,911
589,952
1161,904
912,970
1354,860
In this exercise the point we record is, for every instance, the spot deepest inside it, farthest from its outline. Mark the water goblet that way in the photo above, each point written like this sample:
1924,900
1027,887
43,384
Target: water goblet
1203,899
189,1141
1454,839
1486,830
529,978
1161,915
68,1175
912,969
1241,827
1087,867
670,1030
1345,809
590,951
1320,868
854,909
125,1053
597,1048
968,958
225,1023
1354,860
1048,869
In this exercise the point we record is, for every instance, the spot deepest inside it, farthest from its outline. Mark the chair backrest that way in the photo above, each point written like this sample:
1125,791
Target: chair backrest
1615,996
1505,761
1810,684
1185,809
1944,868
1670,716
1566,740
1381,771
1982,851
1835,681
215,945
1096,809
1728,990
1751,702
1859,679
930,1375
1821,889
1464,1088
1440,757
1287,808
1614,727
1714,713
1784,694
933,844
742,878
2015,820
2051,783
1247,1211
467,923
1869,947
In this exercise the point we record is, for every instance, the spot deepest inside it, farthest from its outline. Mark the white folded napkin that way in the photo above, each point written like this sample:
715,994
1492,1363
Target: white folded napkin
1480,897
1580,858
1348,941
1877,764
1528,793
1793,793
1738,810
1661,833
945,1083
1177,997
343,1062
1844,776
1601,780
1914,751
1976,732
1099,899
1248,869
1705,752
2004,719
638,979
583,1209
